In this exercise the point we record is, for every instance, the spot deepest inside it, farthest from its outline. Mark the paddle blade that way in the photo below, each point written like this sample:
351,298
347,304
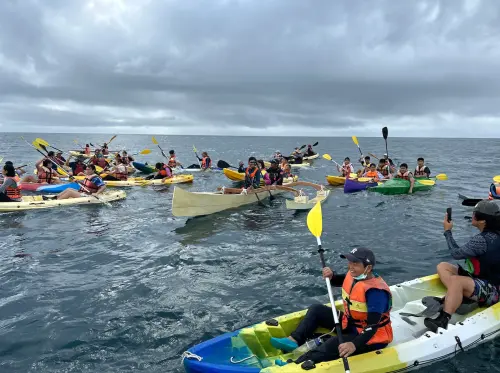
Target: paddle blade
194,149
109,142
471,202
327,157
316,143
154,140
223,164
36,145
385,132
442,177
355,140
41,141
145,151
315,220
61,171
496,179
99,169
302,147
427,182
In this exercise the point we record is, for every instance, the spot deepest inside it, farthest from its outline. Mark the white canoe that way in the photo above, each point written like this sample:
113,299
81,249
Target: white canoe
413,346
37,202
306,158
190,204
304,203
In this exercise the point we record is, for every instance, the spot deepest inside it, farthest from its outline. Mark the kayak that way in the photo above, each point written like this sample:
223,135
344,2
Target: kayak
249,350
76,153
144,167
311,157
37,202
352,186
140,181
30,186
57,188
304,203
293,165
399,186
335,180
236,176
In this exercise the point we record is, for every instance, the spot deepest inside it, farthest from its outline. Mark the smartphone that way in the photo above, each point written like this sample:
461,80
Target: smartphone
448,211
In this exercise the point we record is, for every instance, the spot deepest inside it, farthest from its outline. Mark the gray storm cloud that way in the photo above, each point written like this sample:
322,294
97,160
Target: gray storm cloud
426,68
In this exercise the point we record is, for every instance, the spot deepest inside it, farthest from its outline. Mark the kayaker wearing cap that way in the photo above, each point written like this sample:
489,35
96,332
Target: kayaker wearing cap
252,174
422,170
404,174
10,190
92,184
59,158
347,167
365,321
481,280
275,173
373,173
296,156
277,155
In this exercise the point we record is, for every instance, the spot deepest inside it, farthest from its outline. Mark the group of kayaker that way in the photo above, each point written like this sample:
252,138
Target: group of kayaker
297,156
367,299
256,172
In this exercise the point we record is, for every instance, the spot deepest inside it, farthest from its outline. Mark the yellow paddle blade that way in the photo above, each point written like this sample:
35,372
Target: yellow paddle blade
145,151
42,141
315,220
99,169
427,182
355,140
61,171
109,142
353,176
37,145
496,179
442,177
327,157
194,149
154,140
365,179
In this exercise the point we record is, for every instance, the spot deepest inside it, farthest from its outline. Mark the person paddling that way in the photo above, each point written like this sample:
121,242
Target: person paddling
404,174
10,190
347,168
91,185
373,173
297,157
275,173
309,152
46,174
99,160
172,160
390,163
118,172
365,163
422,170
252,174
77,166
126,159
480,282
205,160
366,322
383,168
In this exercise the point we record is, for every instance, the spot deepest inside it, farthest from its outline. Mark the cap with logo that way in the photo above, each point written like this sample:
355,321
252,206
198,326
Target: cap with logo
486,207
360,255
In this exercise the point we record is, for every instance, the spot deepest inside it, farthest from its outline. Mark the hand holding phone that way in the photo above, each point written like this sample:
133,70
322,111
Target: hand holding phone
448,212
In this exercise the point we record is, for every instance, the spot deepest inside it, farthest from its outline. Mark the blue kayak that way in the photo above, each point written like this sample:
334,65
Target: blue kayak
58,188
144,168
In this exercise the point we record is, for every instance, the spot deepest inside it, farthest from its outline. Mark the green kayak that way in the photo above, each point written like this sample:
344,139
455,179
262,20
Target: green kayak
399,186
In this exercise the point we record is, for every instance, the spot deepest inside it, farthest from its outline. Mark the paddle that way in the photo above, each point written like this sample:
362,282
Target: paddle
471,202
496,179
385,133
224,164
156,143
45,143
355,140
109,142
315,225
373,155
196,153
143,152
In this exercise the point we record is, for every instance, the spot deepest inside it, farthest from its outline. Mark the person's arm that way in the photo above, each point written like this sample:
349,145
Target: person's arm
7,183
100,184
412,183
475,247
267,180
256,181
377,302
427,171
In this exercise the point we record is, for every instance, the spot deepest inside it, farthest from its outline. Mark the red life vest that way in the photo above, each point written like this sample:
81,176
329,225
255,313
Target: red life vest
13,193
88,186
45,176
101,162
420,171
356,309
405,176
204,162
172,161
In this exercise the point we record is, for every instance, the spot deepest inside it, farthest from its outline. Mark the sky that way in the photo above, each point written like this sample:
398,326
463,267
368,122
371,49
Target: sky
251,67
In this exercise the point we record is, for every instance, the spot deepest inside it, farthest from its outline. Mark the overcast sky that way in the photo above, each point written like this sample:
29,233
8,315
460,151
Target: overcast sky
276,67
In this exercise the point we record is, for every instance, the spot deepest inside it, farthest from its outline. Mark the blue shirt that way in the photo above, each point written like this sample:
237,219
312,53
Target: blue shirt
97,181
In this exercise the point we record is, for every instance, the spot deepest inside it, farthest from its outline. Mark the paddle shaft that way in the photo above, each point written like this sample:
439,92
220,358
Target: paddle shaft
338,329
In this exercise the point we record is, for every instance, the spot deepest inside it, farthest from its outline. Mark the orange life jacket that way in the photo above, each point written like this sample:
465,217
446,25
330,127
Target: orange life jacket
251,175
172,162
356,309
346,170
420,171
163,172
13,193
405,176
45,176
372,174
88,186
204,162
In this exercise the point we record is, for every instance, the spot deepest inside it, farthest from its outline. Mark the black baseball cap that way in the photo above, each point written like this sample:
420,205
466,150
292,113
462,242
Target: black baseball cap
274,161
360,255
487,207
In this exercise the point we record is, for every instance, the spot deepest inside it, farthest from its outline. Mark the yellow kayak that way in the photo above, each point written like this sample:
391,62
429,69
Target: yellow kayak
139,181
335,180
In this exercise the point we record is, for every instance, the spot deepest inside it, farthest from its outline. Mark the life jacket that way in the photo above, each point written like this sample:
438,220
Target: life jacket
121,172
125,160
13,193
250,177
405,176
486,266
105,151
45,176
372,174
494,192
163,172
101,162
420,171
384,170
79,169
346,170
172,162
275,175
206,162
88,186
356,309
